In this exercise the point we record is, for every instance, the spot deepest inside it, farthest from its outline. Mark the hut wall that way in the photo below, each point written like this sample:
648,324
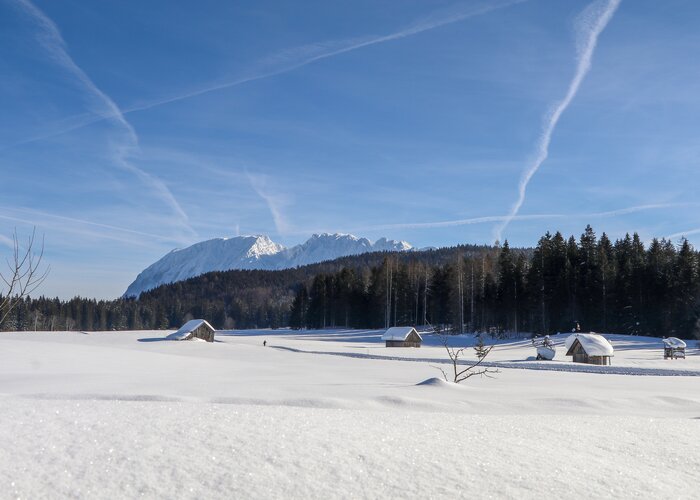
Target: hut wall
579,354
401,343
203,332
580,357
599,360
414,339
674,352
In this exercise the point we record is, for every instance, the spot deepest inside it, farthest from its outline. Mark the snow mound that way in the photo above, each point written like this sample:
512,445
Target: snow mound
439,382
434,381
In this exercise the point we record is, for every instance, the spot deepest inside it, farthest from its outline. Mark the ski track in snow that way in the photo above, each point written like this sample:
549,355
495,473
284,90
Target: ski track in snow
519,365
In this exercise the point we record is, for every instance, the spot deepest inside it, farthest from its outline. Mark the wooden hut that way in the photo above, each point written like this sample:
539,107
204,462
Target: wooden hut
589,348
194,329
674,348
402,336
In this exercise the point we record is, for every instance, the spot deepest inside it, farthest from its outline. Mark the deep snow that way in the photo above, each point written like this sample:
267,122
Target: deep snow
126,414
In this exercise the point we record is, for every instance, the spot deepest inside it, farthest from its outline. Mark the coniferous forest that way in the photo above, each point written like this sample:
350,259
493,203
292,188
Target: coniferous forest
605,286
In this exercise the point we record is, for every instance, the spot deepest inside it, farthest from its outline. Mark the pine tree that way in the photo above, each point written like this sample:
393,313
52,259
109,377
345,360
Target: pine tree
589,281
297,316
480,348
507,287
686,288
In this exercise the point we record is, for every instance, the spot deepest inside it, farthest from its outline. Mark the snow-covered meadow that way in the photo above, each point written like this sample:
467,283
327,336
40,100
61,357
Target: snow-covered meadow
335,414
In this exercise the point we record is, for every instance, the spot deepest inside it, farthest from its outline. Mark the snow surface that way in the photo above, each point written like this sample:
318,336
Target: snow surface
592,343
252,252
188,328
335,414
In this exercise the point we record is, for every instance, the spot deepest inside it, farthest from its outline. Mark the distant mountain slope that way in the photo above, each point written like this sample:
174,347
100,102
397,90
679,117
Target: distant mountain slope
263,298
252,252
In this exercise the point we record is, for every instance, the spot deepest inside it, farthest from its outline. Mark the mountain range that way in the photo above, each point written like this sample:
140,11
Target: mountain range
253,252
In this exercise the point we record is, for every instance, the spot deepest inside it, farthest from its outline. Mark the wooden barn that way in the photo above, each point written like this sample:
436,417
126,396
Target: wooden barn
402,336
674,348
589,348
194,329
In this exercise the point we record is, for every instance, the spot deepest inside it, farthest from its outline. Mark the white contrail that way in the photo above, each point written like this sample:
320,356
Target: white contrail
590,25
298,57
50,38
274,203
291,59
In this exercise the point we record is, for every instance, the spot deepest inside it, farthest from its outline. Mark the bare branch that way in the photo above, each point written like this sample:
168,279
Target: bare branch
468,370
26,273
444,374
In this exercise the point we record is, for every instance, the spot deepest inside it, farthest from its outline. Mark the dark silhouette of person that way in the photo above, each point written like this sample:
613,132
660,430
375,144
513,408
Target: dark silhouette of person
264,343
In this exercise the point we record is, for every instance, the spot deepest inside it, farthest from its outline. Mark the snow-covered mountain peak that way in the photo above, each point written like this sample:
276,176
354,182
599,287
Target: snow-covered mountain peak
392,245
333,237
263,245
253,252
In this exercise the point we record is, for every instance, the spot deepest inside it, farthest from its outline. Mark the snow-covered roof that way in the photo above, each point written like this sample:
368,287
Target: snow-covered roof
188,328
399,333
674,342
592,343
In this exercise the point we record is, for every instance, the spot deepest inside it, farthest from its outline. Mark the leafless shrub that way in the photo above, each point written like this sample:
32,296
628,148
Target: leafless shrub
461,372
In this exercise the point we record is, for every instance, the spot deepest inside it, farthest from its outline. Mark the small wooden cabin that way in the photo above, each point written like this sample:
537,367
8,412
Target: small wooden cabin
589,348
194,329
402,336
674,348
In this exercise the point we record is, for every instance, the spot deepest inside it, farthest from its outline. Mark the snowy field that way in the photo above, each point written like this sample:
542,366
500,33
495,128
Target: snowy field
334,414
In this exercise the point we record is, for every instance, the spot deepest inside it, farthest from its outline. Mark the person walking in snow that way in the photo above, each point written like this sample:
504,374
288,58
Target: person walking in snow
264,343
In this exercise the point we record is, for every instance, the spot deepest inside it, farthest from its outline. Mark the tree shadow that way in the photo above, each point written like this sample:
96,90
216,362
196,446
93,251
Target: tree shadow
166,339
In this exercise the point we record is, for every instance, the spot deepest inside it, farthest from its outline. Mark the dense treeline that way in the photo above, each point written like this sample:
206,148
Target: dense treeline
605,286
609,286
230,299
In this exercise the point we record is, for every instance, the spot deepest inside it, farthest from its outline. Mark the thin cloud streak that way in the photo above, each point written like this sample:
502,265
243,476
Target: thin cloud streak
509,217
79,227
591,24
51,40
75,230
8,242
53,217
684,234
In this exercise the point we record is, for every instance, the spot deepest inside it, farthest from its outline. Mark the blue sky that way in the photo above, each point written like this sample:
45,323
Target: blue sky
131,128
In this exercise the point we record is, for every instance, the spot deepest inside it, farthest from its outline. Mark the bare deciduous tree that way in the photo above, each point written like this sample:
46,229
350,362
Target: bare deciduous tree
24,275
460,371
